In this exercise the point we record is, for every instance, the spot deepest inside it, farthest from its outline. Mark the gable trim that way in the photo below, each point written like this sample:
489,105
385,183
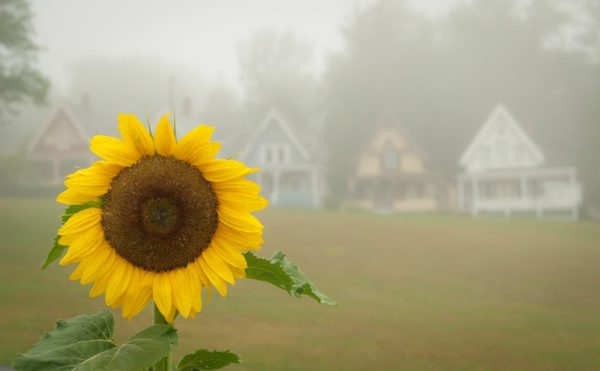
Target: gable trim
274,116
61,107
487,126
388,118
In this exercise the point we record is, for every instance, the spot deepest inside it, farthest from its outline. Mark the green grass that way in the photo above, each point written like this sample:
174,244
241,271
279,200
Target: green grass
424,292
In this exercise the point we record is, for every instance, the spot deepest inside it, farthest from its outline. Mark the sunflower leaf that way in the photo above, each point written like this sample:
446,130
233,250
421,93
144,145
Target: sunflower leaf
203,359
86,342
55,253
57,249
284,274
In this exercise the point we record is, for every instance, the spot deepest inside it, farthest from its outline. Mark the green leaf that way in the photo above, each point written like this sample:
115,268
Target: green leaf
204,359
284,274
141,351
55,253
86,342
57,249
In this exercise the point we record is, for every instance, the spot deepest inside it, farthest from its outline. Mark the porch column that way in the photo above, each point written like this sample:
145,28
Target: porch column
524,189
525,198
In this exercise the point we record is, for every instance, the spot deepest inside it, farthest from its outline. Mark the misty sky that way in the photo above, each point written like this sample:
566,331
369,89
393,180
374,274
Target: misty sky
201,34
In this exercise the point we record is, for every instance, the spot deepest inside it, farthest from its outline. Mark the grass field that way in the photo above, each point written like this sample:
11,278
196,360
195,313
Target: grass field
417,293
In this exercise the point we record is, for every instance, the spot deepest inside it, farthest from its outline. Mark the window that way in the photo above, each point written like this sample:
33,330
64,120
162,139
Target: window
275,154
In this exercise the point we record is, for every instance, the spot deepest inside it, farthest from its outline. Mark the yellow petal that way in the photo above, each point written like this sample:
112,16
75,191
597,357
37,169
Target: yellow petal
238,219
203,154
217,265
119,281
100,264
214,278
94,178
81,221
195,288
239,240
220,170
231,256
99,287
198,136
130,294
135,134
70,197
114,150
170,316
238,272
242,201
145,292
138,293
204,279
161,292
181,292
238,186
164,139
85,244
117,303
76,273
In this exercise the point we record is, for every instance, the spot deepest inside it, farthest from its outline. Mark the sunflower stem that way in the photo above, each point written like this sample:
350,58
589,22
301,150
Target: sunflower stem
165,363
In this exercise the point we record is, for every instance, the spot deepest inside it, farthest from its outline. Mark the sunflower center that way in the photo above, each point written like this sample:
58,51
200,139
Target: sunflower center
160,213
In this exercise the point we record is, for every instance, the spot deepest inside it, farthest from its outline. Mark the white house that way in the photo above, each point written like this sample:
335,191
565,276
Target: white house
289,175
505,172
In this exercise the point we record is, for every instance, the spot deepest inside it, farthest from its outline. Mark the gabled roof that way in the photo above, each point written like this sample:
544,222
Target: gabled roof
497,113
273,117
389,120
61,108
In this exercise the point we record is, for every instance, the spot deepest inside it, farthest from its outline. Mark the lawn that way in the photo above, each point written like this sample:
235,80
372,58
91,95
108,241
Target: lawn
417,292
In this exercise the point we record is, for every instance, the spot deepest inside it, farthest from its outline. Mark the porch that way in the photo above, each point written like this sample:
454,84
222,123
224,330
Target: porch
539,191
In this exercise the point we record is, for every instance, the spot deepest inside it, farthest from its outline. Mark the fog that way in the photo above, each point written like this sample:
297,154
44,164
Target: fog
198,34
333,69
472,125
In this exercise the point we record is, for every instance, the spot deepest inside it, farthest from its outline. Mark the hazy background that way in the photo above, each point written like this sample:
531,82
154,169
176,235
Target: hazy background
419,291
333,67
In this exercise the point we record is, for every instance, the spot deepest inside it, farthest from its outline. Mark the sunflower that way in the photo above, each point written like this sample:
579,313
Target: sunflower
167,219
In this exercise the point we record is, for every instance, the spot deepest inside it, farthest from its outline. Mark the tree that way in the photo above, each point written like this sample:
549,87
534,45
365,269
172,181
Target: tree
442,78
276,72
386,64
19,80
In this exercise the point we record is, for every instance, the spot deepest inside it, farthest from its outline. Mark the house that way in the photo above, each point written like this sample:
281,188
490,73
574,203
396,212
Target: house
59,146
54,142
505,172
289,175
392,172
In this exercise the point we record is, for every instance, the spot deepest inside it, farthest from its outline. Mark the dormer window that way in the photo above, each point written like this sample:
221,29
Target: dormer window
275,154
